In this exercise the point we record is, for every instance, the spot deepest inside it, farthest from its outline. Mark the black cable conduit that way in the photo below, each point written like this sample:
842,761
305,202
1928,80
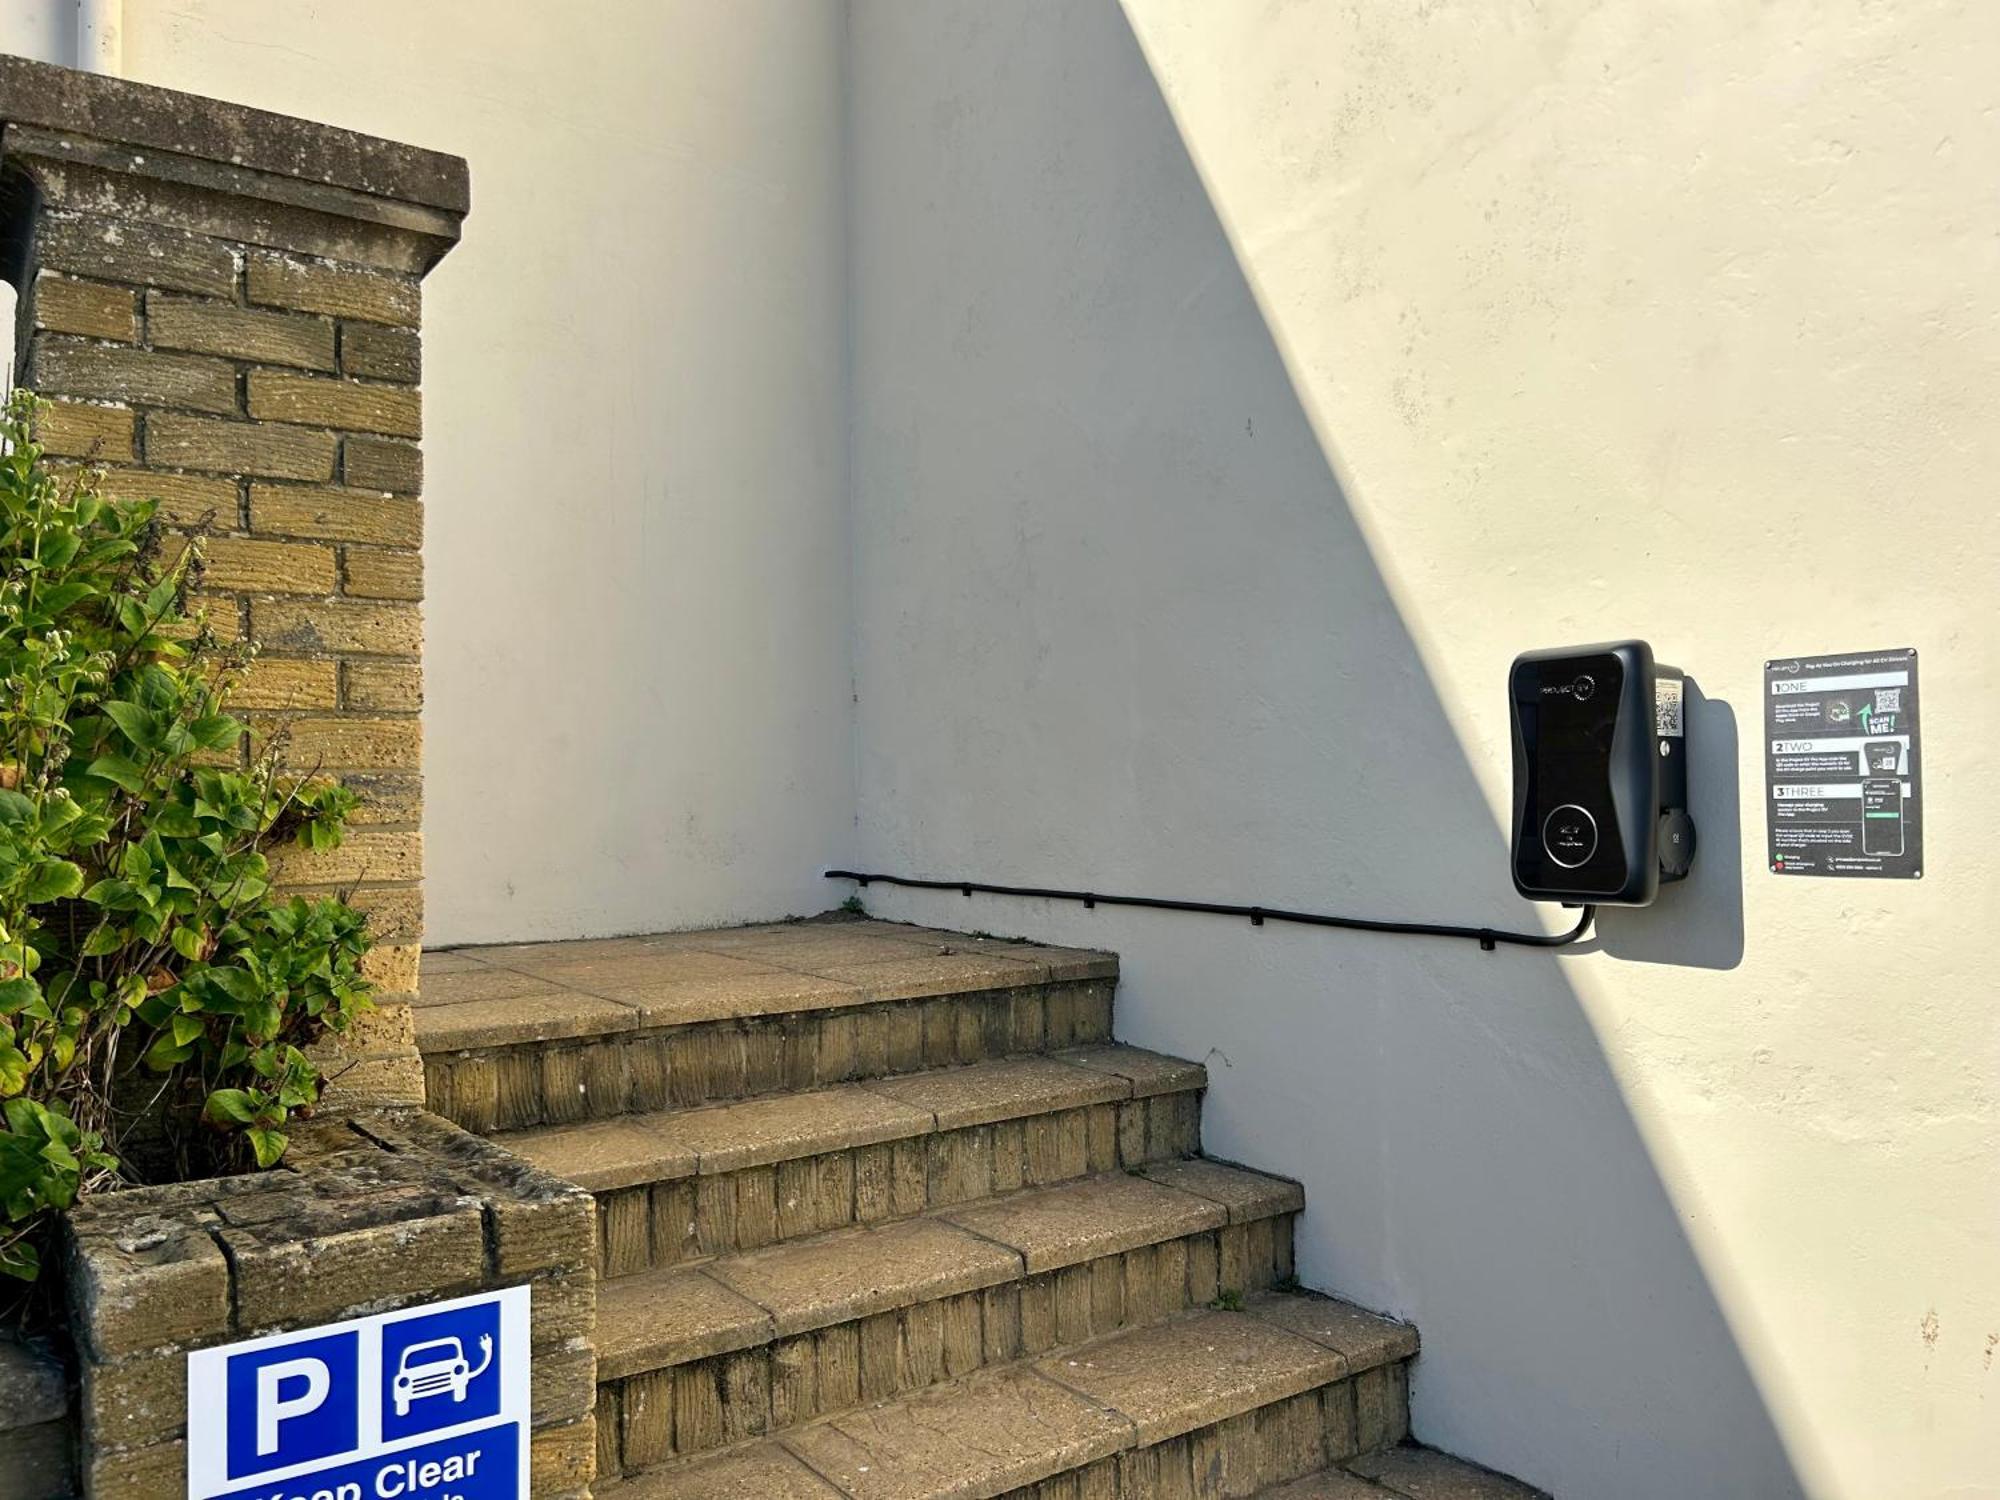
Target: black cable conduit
1488,938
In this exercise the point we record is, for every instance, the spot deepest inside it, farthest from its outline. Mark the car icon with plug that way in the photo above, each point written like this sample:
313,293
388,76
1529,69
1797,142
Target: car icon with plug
432,1368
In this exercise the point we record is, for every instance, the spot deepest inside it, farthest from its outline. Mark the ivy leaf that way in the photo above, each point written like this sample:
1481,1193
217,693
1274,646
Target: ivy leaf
215,731
103,939
53,880
120,771
134,723
268,1144
187,942
232,1106
20,1260
17,994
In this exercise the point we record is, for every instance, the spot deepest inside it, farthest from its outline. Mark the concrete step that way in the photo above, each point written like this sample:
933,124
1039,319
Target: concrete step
693,1357
675,1185
1207,1403
1406,1473
552,1033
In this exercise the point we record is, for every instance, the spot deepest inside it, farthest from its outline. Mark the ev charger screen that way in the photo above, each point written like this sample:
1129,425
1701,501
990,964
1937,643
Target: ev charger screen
1572,827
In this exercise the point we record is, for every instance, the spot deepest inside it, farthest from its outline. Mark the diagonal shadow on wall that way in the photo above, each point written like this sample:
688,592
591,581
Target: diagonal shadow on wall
1117,627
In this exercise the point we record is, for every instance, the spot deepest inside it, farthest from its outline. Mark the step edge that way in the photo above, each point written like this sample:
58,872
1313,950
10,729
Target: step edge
473,1038
638,1173
643,1484
616,1363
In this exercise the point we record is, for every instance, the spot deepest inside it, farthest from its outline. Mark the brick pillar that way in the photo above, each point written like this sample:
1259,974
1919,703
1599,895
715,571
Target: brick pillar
225,304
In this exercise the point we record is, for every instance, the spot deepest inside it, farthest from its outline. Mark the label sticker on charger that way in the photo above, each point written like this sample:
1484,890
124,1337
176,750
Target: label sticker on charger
1842,766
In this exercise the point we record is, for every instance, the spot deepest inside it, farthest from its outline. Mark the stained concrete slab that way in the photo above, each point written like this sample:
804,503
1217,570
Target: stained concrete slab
1173,1377
606,1154
1080,1221
1244,1194
755,1132
549,1015
807,1284
1149,1073
1426,1474
987,1434
658,1318
765,1472
1004,1090
1362,1338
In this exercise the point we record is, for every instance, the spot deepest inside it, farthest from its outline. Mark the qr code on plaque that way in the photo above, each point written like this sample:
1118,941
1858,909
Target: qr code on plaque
1888,700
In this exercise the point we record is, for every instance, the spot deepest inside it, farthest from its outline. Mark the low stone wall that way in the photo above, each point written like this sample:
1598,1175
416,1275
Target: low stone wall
370,1214
35,1439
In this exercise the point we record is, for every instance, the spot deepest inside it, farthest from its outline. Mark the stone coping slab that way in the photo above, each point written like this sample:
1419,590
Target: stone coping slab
631,1149
116,109
530,992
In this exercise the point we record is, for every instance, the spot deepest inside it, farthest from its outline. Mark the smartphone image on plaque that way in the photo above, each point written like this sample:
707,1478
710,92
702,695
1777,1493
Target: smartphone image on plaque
1882,816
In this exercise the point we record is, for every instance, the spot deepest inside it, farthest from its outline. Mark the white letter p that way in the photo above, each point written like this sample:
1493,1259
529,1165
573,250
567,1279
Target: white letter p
273,1408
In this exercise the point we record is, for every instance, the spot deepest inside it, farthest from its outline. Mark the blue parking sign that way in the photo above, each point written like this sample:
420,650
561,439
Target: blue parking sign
427,1403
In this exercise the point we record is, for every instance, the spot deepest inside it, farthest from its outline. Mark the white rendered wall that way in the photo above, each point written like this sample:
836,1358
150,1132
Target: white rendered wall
634,412
1201,503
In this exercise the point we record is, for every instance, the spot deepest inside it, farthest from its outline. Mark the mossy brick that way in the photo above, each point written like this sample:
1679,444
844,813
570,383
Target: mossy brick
343,741
283,1281
88,309
562,1458
337,291
565,1383
75,429
329,401
381,353
135,1402
273,682
247,565
367,854
188,500
336,515
391,913
378,463
267,450
371,574
138,1284
149,1473
363,629
380,685
557,1233
142,377
243,333
385,797
122,249
392,969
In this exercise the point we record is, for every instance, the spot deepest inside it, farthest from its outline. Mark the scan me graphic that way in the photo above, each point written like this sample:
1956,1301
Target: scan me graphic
429,1403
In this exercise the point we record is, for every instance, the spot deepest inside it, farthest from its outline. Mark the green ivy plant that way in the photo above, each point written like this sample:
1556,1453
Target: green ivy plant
148,973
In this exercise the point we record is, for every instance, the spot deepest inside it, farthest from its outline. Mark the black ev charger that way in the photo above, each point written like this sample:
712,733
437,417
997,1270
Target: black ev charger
1600,802
1600,775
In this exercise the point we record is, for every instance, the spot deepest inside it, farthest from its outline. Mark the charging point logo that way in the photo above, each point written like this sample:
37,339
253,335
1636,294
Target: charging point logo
438,1370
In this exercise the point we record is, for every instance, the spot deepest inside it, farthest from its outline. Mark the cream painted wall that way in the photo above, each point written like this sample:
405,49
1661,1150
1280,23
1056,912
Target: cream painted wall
637,621
1230,404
